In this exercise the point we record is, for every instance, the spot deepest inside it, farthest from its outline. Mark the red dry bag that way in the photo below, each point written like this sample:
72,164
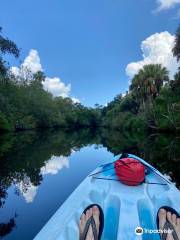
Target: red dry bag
130,171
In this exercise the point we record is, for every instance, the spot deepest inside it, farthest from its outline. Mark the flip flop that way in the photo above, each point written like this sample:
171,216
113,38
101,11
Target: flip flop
91,222
167,224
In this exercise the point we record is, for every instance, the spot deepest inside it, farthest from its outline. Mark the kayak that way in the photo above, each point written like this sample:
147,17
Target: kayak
125,207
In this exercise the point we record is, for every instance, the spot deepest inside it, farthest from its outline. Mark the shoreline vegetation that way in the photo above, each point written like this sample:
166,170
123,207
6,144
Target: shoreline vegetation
152,103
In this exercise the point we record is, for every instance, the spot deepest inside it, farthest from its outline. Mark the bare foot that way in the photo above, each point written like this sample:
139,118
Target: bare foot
163,215
94,211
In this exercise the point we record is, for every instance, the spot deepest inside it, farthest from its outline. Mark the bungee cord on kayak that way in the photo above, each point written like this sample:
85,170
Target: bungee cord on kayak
148,169
118,167
109,168
129,181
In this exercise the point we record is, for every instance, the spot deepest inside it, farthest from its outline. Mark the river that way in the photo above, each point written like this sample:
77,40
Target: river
39,170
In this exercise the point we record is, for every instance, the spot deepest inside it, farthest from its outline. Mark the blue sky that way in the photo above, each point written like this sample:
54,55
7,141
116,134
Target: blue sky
88,43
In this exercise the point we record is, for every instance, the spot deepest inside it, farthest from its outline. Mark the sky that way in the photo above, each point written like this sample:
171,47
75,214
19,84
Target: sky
89,49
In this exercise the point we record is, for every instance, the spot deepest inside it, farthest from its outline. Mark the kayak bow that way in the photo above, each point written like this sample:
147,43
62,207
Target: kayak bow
125,207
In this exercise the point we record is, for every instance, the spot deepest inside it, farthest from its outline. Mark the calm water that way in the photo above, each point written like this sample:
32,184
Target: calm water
38,171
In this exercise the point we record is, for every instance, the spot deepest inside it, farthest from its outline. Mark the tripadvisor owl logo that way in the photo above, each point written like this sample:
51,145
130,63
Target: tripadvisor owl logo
139,231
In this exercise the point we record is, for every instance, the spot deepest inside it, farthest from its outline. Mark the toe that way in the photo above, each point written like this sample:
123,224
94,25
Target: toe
96,211
169,217
83,220
82,223
90,212
87,215
178,222
162,212
174,219
162,218
96,215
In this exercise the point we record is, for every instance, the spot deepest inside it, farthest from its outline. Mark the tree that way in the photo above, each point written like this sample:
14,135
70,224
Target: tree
148,82
129,104
38,79
176,49
6,46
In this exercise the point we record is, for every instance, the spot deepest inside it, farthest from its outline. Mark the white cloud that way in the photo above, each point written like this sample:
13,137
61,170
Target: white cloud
166,4
32,64
57,87
156,49
75,100
54,165
15,71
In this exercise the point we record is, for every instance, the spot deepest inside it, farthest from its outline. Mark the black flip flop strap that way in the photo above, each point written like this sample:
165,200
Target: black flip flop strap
164,234
167,226
94,229
89,222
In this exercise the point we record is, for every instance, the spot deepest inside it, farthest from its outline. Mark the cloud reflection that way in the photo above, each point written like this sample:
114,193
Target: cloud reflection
52,166
29,192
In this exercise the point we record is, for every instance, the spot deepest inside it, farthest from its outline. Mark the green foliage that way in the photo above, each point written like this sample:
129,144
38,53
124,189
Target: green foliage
167,109
149,105
135,123
27,106
176,49
6,46
4,125
129,104
147,83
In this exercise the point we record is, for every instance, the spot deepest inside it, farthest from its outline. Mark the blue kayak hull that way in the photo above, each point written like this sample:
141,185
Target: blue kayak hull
125,207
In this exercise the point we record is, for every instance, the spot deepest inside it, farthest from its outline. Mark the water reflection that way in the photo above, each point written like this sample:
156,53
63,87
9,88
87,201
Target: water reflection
6,228
162,151
26,158
29,191
52,166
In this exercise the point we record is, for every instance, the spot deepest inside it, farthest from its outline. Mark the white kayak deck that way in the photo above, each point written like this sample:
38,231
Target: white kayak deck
124,207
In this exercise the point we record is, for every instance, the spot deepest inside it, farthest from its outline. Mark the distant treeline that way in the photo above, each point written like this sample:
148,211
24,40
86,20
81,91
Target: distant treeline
152,103
24,104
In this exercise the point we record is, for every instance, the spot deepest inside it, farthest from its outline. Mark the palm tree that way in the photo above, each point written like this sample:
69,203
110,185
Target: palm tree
176,49
148,82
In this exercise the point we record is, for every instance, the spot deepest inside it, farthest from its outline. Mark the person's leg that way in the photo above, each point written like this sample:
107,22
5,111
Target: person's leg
165,215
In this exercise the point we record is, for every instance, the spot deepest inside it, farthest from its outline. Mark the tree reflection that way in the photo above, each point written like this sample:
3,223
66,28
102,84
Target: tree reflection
6,228
26,157
162,151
